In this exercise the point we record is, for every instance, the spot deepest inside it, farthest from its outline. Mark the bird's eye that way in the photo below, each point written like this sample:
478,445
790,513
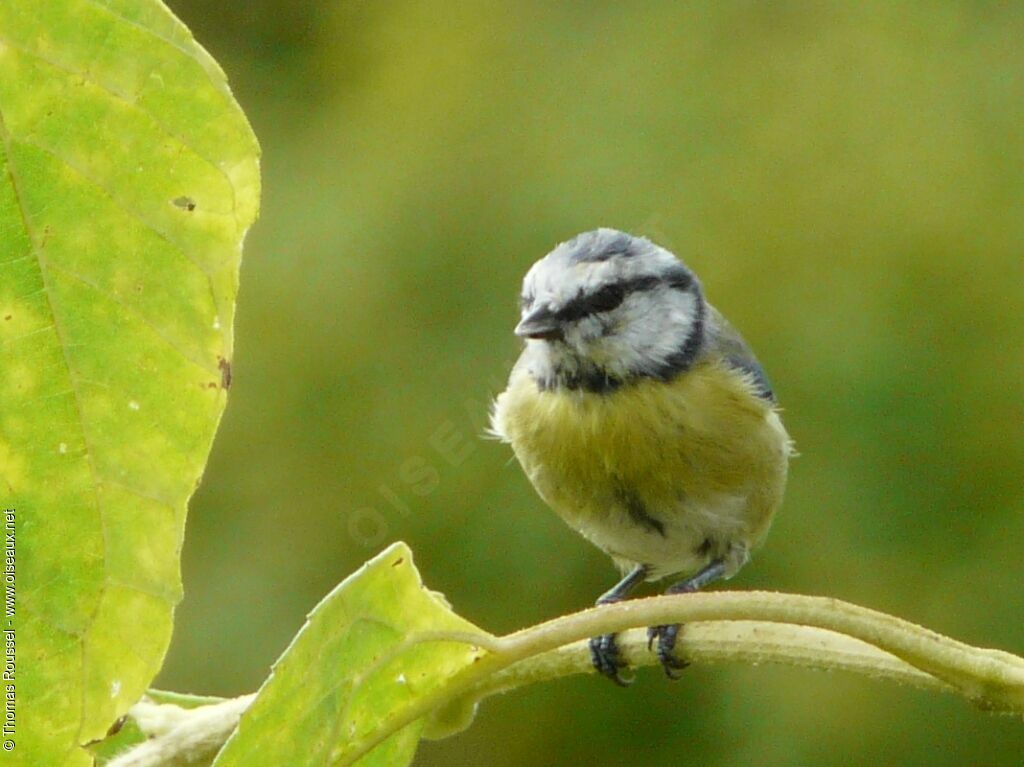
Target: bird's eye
606,299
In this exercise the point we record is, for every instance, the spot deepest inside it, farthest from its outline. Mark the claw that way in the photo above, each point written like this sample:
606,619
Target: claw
666,636
604,650
604,654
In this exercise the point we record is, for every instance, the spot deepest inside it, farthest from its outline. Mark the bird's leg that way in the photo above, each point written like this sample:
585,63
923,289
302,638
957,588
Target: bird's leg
604,652
666,635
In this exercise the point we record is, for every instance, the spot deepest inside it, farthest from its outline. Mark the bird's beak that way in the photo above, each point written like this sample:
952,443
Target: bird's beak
539,323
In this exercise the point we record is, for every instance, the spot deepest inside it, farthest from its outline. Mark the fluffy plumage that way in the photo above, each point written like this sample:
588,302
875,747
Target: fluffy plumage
639,415
665,474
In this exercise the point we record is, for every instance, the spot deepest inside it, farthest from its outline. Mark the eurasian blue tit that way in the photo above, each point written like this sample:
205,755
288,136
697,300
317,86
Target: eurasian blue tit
643,419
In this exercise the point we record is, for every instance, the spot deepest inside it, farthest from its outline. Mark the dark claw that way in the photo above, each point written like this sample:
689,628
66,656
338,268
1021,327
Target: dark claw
604,654
666,636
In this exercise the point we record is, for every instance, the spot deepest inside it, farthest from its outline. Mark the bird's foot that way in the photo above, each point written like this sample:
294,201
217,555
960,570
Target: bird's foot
666,638
605,655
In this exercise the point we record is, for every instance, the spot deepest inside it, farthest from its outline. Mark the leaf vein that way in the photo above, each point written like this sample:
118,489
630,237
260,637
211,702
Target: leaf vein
138,315
37,331
5,138
110,195
130,101
124,19
148,496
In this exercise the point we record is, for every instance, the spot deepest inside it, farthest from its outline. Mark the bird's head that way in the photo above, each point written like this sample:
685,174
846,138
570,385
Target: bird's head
605,308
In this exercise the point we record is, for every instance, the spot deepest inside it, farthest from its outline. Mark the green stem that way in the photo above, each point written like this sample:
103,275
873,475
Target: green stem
751,627
751,642
991,679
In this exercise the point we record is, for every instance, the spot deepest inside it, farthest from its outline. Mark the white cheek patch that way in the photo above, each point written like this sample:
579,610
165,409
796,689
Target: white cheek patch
651,328
545,360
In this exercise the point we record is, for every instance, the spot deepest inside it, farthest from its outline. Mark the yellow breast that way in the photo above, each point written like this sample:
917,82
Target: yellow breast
663,474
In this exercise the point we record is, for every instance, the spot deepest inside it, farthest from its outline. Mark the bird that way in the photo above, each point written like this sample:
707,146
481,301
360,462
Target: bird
643,419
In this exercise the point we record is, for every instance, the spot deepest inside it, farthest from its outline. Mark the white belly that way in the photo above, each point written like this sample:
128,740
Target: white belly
687,539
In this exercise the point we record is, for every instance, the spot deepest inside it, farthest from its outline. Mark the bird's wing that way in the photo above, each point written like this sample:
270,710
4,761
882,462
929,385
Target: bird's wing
722,339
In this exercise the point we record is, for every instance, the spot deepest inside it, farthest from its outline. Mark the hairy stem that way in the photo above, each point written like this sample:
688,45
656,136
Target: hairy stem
752,642
991,679
181,736
748,627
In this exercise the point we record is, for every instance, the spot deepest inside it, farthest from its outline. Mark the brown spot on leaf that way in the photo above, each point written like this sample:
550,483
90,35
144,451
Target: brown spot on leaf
8,316
117,725
185,203
398,561
225,373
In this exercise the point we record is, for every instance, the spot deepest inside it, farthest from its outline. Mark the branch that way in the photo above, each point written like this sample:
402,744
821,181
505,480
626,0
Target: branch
746,627
751,642
991,679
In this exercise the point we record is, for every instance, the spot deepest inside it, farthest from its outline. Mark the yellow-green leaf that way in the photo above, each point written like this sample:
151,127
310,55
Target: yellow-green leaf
374,647
128,178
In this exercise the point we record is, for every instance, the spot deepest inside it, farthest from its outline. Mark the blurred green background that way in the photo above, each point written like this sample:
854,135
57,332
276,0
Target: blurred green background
847,179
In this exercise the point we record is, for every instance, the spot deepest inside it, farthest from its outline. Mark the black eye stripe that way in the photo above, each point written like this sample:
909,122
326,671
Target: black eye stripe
611,296
604,300
679,278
